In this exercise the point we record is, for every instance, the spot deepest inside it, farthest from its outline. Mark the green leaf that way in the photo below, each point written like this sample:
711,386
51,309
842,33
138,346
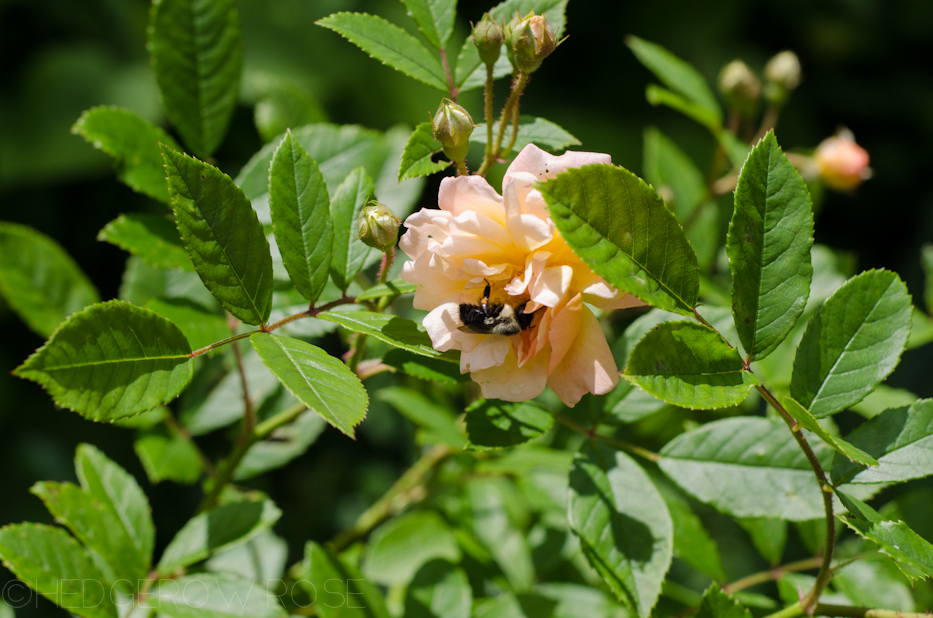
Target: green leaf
882,398
531,130
53,564
769,248
351,596
283,445
210,595
735,149
839,445
621,228
439,590
690,366
874,583
392,329
390,45
132,142
168,458
719,604
197,57
223,236
200,326
216,530
746,467
623,524
471,72
902,441
301,217
656,95
692,543
393,288
151,237
497,424
509,605
399,547
437,423
676,74
39,281
926,261
111,361
95,526
574,600
912,554
416,158
852,343
424,368
435,19
319,380
350,254
666,166
118,491
921,329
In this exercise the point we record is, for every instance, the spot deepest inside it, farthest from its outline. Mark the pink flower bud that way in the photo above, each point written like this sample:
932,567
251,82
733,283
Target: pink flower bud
841,163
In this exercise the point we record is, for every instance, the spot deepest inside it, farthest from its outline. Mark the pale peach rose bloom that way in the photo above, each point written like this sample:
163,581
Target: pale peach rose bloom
840,162
478,236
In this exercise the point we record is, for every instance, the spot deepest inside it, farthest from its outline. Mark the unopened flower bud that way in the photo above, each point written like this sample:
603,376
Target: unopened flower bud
531,41
488,37
378,226
740,87
783,75
840,162
452,128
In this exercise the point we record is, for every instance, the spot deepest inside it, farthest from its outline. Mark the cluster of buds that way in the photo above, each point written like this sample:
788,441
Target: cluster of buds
378,226
452,128
529,40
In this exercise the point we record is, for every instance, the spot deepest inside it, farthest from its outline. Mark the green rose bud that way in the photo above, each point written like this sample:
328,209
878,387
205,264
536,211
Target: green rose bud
378,226
531,41
452,128
488,37
740,87
783,75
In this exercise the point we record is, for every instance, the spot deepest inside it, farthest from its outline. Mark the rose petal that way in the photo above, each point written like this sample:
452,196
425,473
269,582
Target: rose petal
465,193
512,383
529,232
490,352
475,224
545,165
550,286
564,327
431,275
533,263
587,367
441,324
423,227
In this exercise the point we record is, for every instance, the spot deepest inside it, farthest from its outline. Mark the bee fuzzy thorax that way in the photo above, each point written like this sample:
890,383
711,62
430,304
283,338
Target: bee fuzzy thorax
494,318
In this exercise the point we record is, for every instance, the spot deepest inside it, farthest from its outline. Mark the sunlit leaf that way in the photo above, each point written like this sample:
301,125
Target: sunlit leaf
416,159
399,547
392,329
621,228
223,236
111,361
623,524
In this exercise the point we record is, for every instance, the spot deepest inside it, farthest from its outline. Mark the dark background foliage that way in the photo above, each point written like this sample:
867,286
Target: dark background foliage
864,67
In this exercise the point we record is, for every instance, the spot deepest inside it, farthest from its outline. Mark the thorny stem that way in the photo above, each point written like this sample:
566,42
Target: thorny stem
387,258
310,313
772,574
249,415
825,574
462,169
845,611
488,95
590,433
515,117
407,490
517,87
450,78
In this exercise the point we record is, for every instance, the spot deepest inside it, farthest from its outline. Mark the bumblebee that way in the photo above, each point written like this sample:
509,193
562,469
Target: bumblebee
494,319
